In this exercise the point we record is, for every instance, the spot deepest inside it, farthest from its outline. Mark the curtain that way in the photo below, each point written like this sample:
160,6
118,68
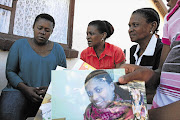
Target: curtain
27,10
5,16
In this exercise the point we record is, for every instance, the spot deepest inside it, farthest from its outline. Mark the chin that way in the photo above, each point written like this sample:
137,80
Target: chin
89,45
133,40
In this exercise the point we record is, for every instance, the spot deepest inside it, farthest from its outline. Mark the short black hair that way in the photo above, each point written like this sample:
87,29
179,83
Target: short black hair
45,16
150,15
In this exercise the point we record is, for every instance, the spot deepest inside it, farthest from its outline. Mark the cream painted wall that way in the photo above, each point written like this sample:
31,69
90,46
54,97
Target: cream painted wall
114,11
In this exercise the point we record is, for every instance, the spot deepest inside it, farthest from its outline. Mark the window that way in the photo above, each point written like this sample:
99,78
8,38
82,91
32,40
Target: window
17,17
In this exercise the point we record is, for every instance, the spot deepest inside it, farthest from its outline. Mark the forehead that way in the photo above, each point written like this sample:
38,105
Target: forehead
94,82
137,17
42,21
92,28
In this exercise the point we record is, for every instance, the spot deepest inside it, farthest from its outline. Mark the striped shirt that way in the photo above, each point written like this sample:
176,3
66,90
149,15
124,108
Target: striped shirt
169,88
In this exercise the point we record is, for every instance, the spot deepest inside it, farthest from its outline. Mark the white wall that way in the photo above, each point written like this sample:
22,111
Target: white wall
117,12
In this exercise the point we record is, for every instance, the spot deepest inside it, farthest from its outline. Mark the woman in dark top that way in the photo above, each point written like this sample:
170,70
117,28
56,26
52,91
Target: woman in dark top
143,26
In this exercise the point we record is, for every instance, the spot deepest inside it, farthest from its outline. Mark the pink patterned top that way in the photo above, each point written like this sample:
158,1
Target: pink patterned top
118,109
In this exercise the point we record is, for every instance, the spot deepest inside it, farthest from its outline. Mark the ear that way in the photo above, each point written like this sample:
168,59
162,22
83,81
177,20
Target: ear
153,26
112,85
104,35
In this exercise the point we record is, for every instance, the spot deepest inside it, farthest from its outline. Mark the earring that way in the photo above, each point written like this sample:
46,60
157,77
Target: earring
102,39
151,32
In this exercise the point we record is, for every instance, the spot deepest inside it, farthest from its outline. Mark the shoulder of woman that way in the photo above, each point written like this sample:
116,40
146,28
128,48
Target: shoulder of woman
58,46
114,47
22,40
86,50
19,42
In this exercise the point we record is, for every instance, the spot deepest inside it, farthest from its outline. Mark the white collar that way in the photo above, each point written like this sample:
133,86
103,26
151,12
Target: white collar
149,51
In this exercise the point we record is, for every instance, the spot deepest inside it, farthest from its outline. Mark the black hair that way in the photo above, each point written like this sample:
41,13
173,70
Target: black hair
103,26
99,74
45,16
150,14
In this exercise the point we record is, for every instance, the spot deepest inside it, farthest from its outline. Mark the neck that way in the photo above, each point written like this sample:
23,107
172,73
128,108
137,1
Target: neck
99,49
40,44
144,43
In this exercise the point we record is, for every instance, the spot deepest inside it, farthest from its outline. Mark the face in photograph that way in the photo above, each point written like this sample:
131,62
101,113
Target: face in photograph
100,93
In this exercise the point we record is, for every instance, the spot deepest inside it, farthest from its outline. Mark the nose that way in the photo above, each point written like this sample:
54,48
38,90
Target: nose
43,32
95,96
130,29
87,37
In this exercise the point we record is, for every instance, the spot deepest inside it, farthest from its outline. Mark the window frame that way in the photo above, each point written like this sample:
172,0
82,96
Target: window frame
6,40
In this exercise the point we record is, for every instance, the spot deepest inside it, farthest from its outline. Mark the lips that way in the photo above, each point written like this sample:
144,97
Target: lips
98,103
132,35
89,42
41,38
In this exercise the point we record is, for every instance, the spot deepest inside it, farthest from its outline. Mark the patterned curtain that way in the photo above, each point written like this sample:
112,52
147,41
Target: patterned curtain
27,10
5,16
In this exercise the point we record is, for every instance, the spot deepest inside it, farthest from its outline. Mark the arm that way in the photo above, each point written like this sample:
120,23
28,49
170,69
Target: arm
119,57
61,57
119,64
168,112
83,55
12,65
155,80
164,54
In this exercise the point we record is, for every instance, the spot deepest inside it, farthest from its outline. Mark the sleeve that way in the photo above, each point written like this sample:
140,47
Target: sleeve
165,38
157,54
83,55
119,55
12,65
132,51
61,56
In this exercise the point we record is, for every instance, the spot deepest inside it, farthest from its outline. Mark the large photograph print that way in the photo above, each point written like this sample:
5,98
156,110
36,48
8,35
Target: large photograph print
95,95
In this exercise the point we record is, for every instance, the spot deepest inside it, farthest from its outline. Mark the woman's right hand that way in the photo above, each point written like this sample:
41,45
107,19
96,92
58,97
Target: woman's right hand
135,72
30,92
